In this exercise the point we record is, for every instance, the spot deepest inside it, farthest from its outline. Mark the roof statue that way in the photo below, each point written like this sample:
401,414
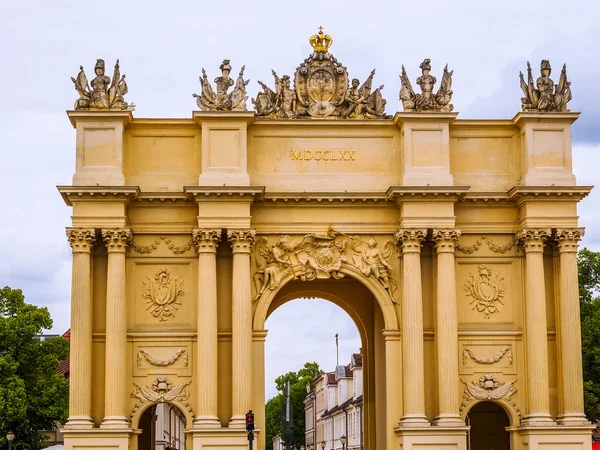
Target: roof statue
545,95
209,100
427,101
104,93
320,90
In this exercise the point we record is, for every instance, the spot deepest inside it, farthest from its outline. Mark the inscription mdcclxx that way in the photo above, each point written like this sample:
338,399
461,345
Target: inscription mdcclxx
323,155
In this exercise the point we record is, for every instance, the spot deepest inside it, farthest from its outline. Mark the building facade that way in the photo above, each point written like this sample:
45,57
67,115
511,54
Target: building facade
450,242
334,408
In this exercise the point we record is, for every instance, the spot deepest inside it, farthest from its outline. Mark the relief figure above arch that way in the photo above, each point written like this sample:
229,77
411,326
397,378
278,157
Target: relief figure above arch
320,256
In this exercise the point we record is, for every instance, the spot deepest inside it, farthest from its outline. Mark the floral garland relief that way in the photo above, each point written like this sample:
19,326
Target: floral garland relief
494,359
162,363
162,294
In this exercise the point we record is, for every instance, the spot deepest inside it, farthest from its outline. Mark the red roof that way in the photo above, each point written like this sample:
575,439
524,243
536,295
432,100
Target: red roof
64,367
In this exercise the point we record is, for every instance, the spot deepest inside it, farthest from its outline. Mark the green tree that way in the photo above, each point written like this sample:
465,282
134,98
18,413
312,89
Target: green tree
589,298
33,396
298,383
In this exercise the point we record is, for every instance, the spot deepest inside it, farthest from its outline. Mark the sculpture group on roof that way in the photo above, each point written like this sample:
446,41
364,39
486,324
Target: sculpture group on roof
322,89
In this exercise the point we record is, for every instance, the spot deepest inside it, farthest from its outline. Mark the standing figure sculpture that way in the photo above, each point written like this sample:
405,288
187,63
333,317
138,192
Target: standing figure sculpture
427,100
208,100
547,96
104,93
272,263
371,261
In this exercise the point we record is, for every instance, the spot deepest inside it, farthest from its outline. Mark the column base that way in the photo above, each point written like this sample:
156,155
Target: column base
96,439
538,420
115,423
79,423
448,420
207,422
574,420
414,420
432,438
556,437
238,422
221,438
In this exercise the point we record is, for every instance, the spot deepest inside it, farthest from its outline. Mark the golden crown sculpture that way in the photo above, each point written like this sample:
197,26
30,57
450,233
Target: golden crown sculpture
320,42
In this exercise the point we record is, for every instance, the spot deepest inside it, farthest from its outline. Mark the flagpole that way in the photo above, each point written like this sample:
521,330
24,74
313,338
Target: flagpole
337,351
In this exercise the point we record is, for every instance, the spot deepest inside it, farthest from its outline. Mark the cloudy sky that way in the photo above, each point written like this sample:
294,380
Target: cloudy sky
163,47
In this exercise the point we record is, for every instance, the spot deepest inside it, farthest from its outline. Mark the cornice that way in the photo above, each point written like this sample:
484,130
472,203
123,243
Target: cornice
161,122
426,193
521,194
163,197
225,193
223,116
328,122
125,117
483,123
325,197
521,118
486,197
401,117
98,193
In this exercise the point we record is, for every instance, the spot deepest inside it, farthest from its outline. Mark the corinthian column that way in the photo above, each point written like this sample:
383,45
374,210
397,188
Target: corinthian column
536,331
80,383
206,242
571,383
446,330
413,379
115,394
241,333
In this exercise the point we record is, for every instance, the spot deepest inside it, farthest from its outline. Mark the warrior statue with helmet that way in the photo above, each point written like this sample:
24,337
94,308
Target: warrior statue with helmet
544,95
104,93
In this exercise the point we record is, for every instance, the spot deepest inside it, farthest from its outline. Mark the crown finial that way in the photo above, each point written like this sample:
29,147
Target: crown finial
320,42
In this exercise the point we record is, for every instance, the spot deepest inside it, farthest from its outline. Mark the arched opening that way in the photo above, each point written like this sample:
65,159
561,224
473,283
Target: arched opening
488,422
365,424
162,427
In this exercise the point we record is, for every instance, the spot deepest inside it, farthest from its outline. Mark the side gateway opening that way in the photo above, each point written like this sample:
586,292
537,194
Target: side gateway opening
488,422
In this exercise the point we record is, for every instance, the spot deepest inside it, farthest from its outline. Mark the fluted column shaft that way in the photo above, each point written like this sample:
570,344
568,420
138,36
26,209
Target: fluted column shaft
206,242
536,332
571,387
446,329
115,414
413,380
80,381
241,333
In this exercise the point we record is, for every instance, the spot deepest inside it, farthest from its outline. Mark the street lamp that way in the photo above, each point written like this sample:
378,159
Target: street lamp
10,436
343,441
323,444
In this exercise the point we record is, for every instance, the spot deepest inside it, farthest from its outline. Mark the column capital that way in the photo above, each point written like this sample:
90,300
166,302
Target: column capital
410,239
117,239
241,241
206,240
533,239
81,239
567,239
445,239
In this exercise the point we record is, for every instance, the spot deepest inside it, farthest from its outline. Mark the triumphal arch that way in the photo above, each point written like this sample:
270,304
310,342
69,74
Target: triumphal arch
450,242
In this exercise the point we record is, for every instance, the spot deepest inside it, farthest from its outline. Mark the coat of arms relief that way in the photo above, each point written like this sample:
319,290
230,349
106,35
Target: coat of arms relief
486,289
162,294
320,256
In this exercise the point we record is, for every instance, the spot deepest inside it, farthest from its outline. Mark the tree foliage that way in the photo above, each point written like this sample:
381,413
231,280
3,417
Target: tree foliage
589,297
33,396
298,382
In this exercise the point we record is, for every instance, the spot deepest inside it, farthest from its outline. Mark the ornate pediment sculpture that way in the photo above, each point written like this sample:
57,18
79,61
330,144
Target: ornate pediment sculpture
372,261
222,100
544,95
161,391
320,90
105,94
427,101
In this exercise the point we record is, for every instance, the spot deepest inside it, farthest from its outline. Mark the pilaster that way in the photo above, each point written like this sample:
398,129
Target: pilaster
536,328
413,369
99,147
426,148
206,242
241,242
80,381
546,148
115,416
446,329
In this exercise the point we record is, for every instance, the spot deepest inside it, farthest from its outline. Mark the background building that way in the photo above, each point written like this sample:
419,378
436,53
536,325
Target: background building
334,408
